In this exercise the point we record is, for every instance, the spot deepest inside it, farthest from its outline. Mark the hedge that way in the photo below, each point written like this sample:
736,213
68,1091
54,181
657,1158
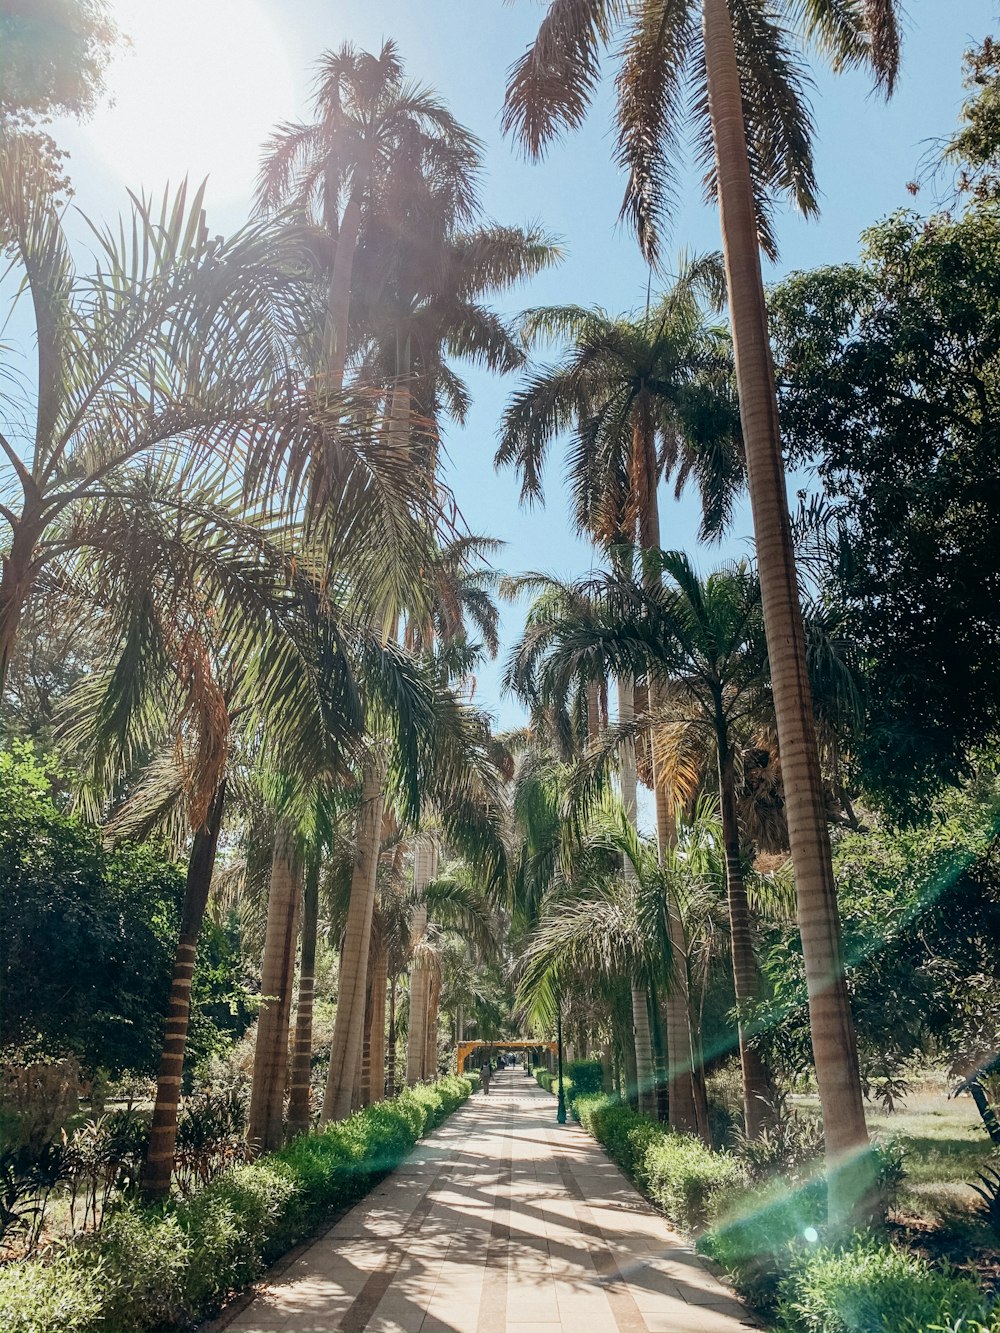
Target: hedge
677,1171
150,1268
581,1078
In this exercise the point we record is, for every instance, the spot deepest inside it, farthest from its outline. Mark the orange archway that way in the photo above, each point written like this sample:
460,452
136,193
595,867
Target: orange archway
465,1049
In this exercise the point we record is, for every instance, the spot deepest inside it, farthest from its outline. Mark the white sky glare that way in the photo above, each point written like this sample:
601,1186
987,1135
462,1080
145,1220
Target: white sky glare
200,87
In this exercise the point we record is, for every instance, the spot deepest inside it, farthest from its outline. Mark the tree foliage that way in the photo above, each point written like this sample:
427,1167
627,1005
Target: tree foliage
889,374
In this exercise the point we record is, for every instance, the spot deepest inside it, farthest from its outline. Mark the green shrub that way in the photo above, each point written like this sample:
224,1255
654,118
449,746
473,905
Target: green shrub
682,1176
152,1267
141,1258
585,1108
57,1297
756,1236
625,1135
587,1077
872,1287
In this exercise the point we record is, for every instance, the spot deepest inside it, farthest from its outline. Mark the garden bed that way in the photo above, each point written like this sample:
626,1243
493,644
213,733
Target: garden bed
152,1268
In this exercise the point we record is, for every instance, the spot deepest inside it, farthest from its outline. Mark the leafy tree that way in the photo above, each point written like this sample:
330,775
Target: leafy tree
974,149
55,53
87,944
890,389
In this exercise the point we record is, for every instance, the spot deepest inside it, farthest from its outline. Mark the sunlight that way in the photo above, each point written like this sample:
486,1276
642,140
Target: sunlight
202,86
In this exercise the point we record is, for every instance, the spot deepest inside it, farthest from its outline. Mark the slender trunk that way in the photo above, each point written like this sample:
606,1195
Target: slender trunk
16,582
159,1164
680,1052
376,1078
390,1064
631,1089
831,1024
270,1065
755,1081
299,1110
362,1081
431,1035
345,1049
424,858
338,298
643,1051
659,1058
593,710
640,1015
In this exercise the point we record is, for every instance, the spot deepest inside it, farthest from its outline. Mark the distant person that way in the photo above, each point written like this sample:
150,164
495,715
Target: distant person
485,1074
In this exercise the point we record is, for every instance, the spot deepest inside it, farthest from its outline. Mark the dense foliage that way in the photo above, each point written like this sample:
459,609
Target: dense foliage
890,387
88,937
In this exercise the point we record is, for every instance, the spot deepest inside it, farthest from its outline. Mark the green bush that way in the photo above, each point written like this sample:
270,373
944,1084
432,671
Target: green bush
872,1287
550,1082
755,1238
625,1135
682,1176
155,1267
585,1108
587,1077
56,1297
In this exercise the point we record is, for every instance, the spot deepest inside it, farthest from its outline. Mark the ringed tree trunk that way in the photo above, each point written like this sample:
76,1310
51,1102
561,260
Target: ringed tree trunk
159,1163
424,868
831,1023
16,583
345,1049
390,1064
270,1065
376,1078
433,1008
299,1110
641,1036
756,1083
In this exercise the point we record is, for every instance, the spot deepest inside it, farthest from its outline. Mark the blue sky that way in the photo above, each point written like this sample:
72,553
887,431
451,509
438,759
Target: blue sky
206,78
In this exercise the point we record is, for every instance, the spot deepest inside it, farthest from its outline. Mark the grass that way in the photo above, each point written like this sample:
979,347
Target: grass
946,1148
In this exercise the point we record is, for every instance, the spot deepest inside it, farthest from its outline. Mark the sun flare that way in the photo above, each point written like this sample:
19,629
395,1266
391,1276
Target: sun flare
201,85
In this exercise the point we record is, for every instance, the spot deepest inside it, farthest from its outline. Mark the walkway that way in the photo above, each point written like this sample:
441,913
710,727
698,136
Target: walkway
502,1221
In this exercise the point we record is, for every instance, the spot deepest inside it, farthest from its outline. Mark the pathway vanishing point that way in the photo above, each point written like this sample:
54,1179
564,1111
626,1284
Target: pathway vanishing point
502,1221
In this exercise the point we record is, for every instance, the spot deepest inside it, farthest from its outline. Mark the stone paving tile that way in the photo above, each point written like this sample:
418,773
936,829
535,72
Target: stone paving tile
501,1222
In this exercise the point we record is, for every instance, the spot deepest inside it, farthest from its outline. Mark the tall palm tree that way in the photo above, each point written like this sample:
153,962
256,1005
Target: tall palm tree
368,122
210,632
704,642
645,397
753,134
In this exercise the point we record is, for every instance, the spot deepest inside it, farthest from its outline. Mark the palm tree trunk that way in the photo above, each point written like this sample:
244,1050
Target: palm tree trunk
593,710
270,1065
755,1080
680,1050
376,1078
424,856
16,583
390,1064
362,1083
338,299
159,1164
831,1024
640,1013
643,1051
345,1049
431,1035
299,1110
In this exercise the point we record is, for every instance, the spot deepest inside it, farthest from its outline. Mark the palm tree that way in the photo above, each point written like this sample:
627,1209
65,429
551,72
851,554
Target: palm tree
645,397
753,134
369,122
174,348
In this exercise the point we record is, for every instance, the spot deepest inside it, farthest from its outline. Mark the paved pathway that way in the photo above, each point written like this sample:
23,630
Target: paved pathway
502,1221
